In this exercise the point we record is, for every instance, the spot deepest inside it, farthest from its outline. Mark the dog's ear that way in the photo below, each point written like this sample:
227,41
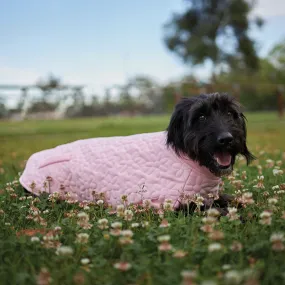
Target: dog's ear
178,123
237,107
245,152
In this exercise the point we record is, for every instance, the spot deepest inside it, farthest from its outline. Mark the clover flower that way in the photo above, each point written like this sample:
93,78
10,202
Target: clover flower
82,238
214,247
64,251
123,266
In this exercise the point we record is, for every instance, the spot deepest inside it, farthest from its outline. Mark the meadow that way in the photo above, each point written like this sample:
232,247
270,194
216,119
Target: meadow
50,241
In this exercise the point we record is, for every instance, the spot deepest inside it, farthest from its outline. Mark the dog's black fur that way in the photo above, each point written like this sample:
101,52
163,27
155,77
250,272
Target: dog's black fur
198,126
209,124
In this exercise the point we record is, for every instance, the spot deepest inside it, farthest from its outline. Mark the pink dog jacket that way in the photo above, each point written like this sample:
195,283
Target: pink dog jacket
139,166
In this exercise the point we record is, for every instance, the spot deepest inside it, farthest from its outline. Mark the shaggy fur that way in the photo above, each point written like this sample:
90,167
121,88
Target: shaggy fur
210,129
204,128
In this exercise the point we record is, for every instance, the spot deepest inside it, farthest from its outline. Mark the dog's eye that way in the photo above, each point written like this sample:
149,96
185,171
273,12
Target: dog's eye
202,118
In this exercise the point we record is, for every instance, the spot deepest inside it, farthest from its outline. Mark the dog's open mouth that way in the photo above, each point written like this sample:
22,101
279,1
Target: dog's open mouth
223,159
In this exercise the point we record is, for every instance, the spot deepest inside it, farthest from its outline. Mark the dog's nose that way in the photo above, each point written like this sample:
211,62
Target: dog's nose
225,138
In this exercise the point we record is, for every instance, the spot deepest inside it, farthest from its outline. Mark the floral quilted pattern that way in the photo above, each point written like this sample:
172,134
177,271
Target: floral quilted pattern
139,166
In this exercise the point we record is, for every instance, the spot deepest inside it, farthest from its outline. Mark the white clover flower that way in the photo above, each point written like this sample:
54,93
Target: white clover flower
198,200
277,240
82,238
277,172
116,225
214,247
64,250
265,214
233,277
226,267
146,203
35,239
103,224
275,187
103,221
135,225
128,215
123,266
188,274
247,195
100,202
213,212
145,224
277,237
232,214
167,206
127,233
265,217
83,215
163,238
209,220
272,201
85,261
232,210
120,208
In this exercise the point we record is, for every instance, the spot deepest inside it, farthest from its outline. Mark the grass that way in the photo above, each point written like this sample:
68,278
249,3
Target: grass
32,230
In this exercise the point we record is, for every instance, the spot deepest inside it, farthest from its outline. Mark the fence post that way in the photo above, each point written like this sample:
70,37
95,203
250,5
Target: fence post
23,106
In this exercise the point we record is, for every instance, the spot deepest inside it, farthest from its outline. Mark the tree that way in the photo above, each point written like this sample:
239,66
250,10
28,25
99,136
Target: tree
148,89
215,30
125,96
3,110
262,90
48,85
277,59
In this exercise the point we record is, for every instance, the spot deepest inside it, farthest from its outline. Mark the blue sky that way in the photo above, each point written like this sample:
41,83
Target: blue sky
100,42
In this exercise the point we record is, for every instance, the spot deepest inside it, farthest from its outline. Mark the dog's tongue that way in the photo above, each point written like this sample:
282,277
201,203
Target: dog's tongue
223,158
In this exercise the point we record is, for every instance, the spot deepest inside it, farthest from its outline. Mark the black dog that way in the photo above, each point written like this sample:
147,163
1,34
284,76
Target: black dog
210,129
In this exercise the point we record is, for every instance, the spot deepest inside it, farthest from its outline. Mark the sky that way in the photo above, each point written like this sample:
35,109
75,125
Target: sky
99,43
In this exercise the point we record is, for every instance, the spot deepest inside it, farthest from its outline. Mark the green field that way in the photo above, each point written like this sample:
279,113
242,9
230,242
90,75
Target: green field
246,252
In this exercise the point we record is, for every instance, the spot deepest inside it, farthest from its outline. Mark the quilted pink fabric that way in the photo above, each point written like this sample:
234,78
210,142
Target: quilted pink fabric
139,166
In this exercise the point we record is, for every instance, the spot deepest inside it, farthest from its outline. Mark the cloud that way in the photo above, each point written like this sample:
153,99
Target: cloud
270,8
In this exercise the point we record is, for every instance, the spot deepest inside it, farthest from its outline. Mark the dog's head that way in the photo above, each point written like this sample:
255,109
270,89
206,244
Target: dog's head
210,129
